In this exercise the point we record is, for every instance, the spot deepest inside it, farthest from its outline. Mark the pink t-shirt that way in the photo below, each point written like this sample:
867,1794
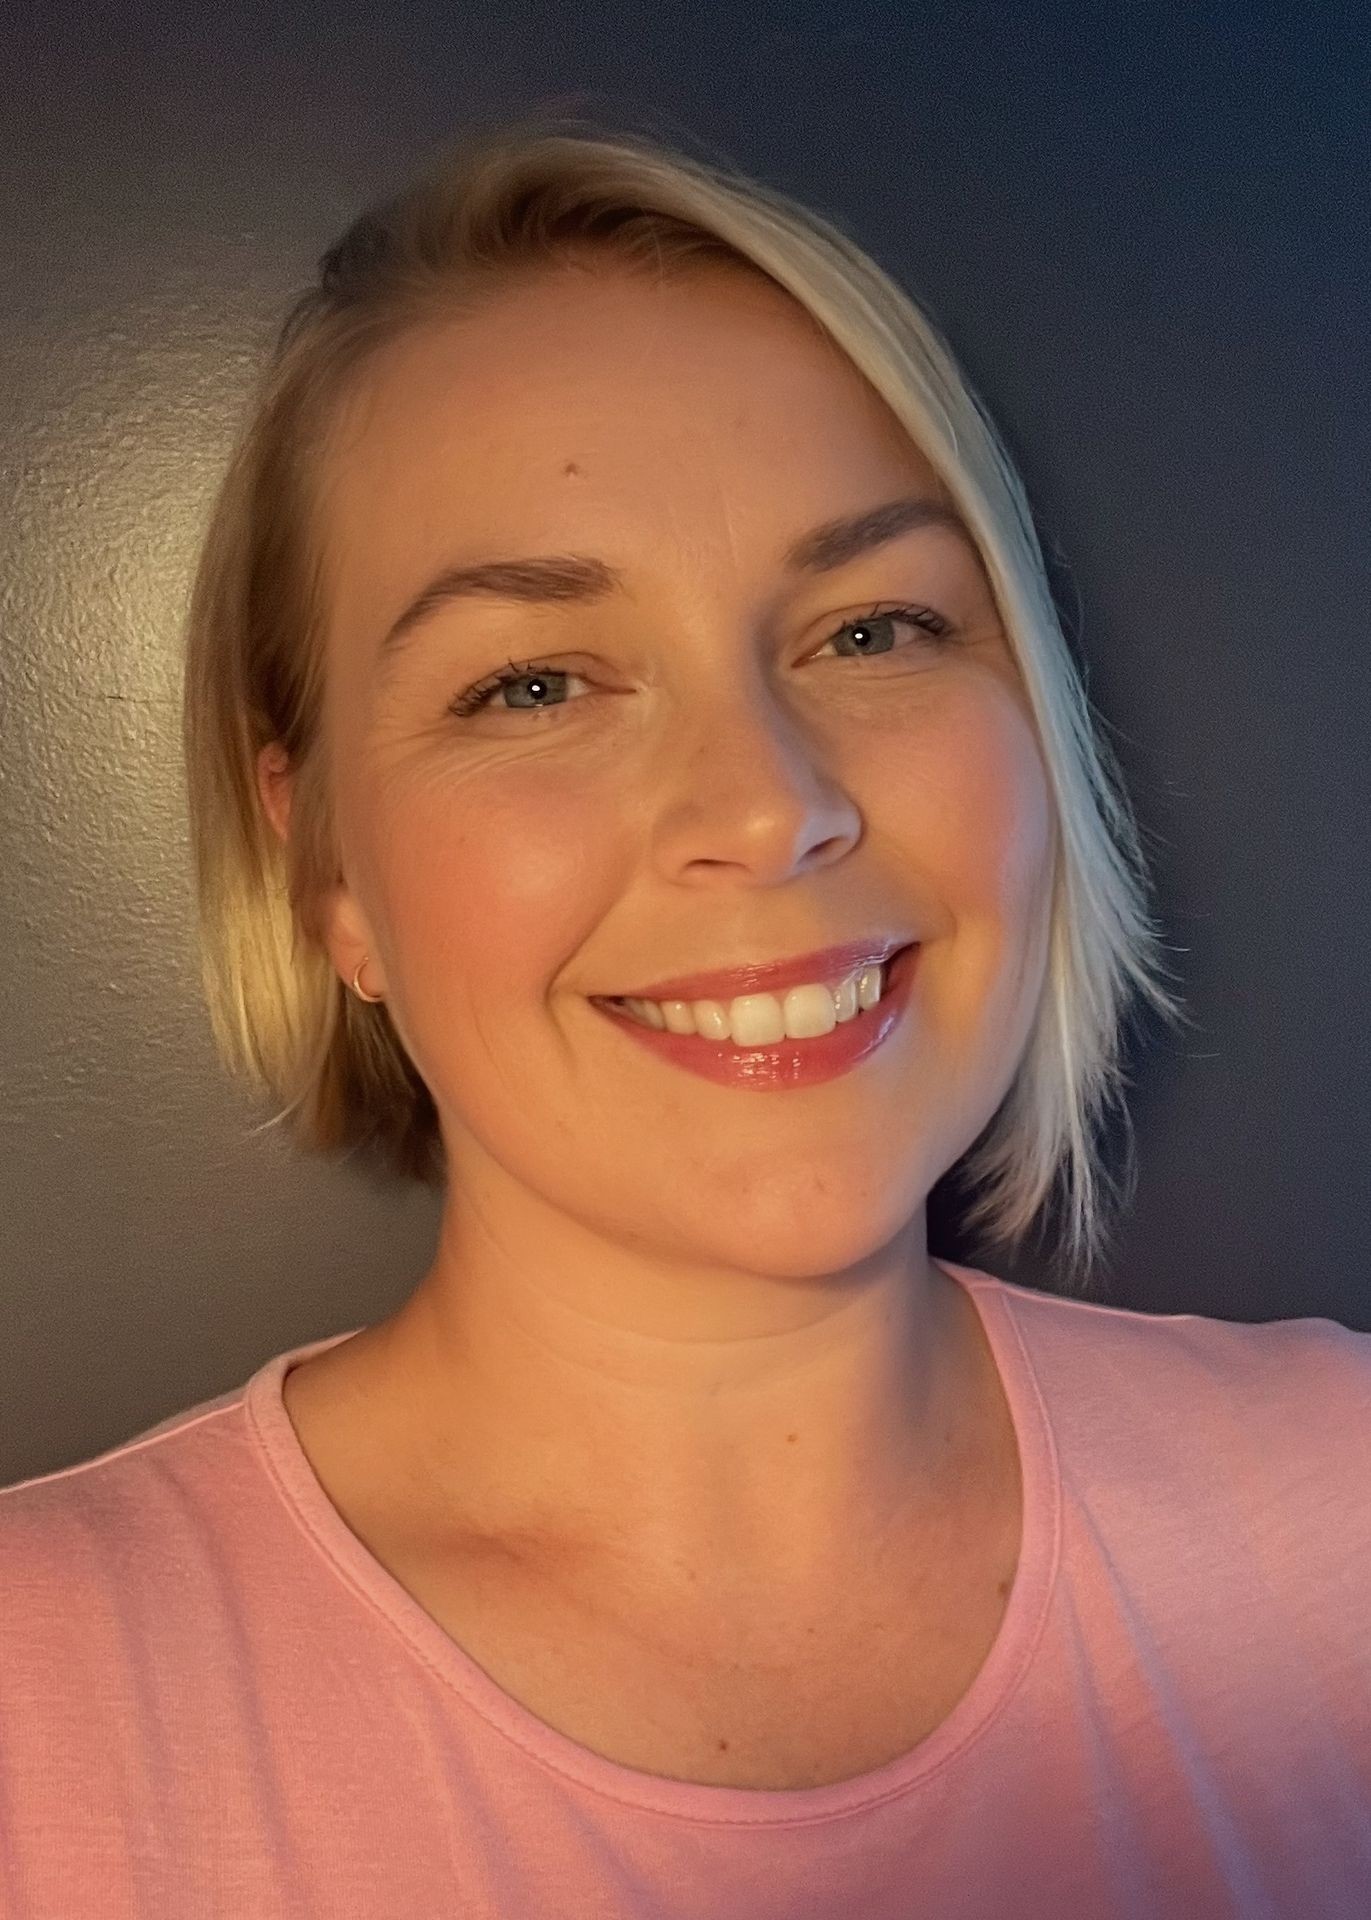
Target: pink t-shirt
215,1704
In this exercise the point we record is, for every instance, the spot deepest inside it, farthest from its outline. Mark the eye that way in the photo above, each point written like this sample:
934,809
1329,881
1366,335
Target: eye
871,631
541,681
872,635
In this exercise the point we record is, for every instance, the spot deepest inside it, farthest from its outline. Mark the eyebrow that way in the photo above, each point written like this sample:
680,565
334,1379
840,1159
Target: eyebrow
546,579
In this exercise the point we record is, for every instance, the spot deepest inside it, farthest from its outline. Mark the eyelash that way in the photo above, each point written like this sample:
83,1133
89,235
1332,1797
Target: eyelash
483,691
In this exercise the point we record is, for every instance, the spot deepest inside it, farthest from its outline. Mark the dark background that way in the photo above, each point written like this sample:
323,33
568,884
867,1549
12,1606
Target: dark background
1143,230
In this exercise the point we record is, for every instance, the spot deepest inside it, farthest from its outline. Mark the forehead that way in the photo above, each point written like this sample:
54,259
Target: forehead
604,412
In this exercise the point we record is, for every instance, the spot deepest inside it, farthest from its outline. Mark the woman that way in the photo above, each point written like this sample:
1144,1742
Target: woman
639,786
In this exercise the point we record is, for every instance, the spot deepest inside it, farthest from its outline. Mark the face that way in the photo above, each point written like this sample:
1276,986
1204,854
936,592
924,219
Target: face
709,773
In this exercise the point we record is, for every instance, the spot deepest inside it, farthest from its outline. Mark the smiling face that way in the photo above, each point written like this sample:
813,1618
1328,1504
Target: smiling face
709,772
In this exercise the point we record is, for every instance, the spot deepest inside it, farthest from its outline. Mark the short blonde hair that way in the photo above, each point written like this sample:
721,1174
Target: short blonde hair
522,197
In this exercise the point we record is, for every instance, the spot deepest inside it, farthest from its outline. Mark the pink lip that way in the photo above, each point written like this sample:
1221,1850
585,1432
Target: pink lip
785,1065
829,964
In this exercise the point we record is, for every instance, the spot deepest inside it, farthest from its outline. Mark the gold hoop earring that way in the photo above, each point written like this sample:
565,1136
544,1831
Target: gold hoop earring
371,998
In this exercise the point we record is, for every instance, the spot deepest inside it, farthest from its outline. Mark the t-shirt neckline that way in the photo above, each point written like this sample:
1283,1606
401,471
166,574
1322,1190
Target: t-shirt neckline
990,1692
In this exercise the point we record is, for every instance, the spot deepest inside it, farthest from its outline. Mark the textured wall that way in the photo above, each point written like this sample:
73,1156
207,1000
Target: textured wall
1145,233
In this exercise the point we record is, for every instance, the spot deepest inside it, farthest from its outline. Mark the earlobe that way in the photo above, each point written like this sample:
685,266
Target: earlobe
350,944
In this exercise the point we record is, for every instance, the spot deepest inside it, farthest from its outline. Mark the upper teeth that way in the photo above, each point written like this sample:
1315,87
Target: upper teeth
760,1019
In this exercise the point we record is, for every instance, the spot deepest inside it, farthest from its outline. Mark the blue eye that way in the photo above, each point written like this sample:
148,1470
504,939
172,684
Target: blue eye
876,623
540,678
869,631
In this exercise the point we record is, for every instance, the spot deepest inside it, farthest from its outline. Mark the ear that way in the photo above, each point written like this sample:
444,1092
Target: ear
274,786
346,932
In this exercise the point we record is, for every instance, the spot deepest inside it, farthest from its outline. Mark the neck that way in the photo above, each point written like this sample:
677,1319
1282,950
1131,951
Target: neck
792,1452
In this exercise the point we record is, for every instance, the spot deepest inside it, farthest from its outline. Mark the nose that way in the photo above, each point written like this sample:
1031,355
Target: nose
750,794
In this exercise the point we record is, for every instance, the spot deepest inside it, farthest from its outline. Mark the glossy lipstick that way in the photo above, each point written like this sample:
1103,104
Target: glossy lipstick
785,1063
771,976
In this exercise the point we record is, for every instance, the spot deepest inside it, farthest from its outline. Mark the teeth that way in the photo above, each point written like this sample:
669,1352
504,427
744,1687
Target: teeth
761,1019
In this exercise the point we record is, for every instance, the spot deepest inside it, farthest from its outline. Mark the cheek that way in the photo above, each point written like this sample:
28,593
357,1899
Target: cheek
972,810
492,884
974,803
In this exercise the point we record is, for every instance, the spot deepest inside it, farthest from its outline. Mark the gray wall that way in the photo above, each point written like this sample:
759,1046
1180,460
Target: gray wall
1144,232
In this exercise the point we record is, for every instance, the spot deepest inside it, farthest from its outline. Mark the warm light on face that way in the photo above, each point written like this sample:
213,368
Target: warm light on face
770,707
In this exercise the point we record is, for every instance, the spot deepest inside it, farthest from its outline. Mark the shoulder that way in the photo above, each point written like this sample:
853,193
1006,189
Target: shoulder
119,1515
1261,1427
1196,1403
1311,1366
